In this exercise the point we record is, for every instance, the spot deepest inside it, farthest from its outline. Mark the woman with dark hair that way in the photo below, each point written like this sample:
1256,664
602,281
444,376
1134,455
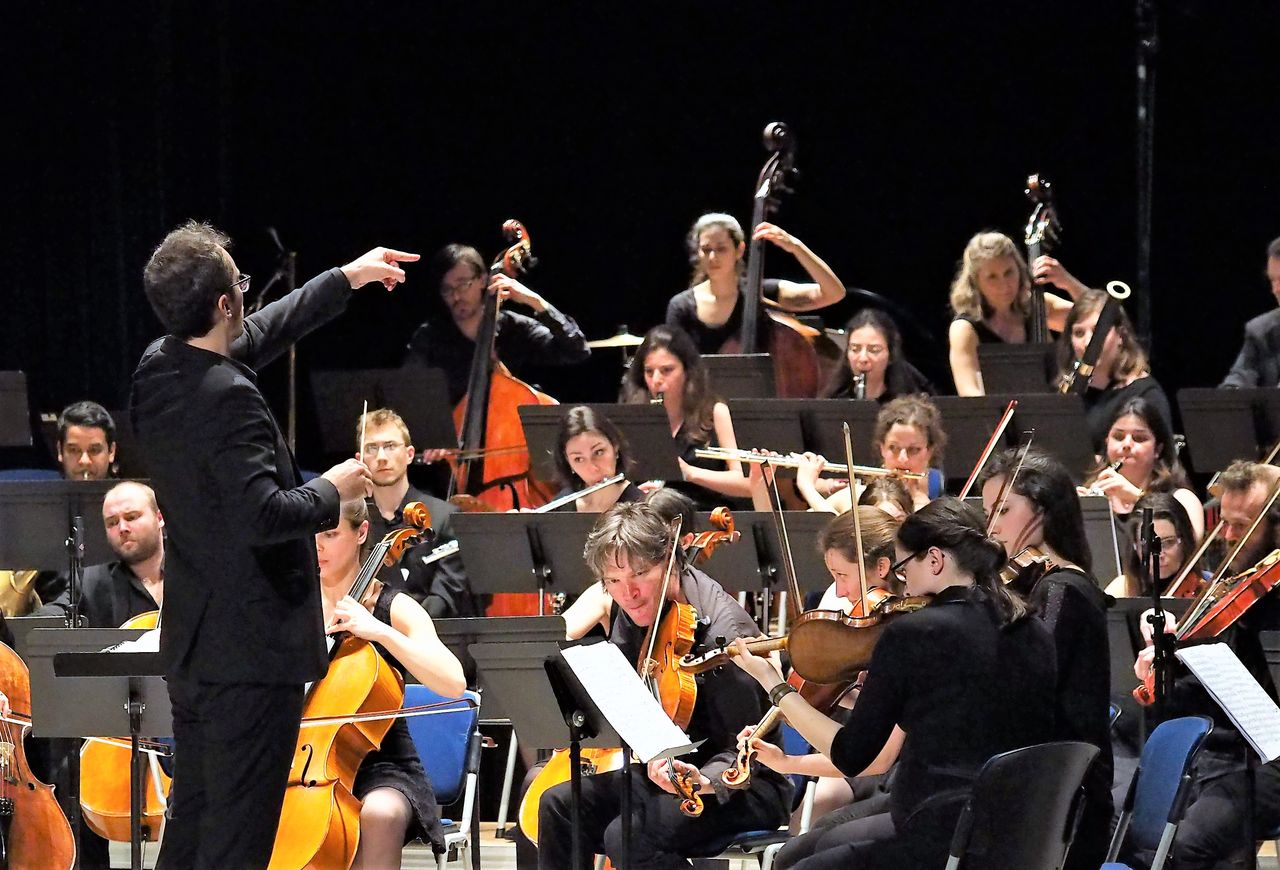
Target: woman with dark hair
1139,438
1121,374
667,366
1040,509
1177,543
965,678
590,449
710,311
874,354
448,342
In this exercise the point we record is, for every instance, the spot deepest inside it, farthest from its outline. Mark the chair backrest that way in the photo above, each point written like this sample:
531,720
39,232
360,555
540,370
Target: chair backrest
1163,774
1039,786
793,743
442,739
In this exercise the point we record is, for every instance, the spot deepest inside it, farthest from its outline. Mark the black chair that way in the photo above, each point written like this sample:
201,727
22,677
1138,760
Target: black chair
1040,787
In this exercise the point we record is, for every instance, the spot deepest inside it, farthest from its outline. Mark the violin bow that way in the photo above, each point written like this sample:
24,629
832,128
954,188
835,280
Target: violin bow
1007,486
990,448
651,640
794,608
857,524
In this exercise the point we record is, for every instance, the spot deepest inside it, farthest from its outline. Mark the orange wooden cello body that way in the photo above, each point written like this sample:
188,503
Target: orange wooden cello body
34,832
104,779
320,819
495,473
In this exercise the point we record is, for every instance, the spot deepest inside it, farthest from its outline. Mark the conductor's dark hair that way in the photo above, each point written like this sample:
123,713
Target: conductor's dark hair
1047,484
579,421
185,276
957,528
90,415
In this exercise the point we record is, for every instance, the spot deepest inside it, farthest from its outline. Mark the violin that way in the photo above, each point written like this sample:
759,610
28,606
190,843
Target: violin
790,345
320,819
34,832
1026,560
699,547
1041,236
492,463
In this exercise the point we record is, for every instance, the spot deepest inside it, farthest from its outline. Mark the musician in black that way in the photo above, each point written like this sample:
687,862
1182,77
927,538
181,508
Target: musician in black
967,677
628,551
550,337
242,614
1258,363
590,449
873,352
1040,509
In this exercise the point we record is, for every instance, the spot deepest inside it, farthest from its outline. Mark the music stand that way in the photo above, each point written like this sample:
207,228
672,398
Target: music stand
1017,369
558,539
502,558
1100,531
824,419
15,412
803,528
22,626
1222,426
770,424
969,422
418,394
78,691
645,427
736,567
1061,429
36,515
740,375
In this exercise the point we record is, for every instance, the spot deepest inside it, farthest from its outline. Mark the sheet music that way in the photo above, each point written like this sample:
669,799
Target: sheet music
616,688
147,642
1237,692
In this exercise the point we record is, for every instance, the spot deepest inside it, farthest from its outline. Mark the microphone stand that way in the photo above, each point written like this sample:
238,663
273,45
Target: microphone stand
1162,663
75,570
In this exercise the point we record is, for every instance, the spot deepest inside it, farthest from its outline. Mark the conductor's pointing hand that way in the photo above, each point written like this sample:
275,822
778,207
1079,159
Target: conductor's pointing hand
380,264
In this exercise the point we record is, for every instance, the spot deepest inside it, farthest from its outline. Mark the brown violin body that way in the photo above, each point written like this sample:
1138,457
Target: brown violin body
104,780
34,832
829,646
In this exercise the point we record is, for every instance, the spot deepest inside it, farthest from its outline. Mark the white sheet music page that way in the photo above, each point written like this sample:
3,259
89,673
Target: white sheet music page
1238,694
148,642
612,682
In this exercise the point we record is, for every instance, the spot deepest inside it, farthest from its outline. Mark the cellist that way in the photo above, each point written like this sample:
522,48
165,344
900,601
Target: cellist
628,551
398,804
459,273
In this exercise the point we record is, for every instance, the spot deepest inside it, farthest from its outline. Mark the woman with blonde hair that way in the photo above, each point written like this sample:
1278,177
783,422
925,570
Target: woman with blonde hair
991,302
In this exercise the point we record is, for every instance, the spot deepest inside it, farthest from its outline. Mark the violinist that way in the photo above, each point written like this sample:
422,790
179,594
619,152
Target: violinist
460,275
991,302
397,802
242,621
1121,374
1140,439
1215,829
667,365
710,311
628,551
1258,363
1177,544
875,366
965,678
441,586
590,449
1039,509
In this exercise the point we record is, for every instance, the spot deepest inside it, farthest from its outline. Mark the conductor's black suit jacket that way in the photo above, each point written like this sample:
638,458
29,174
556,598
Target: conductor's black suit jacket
242,590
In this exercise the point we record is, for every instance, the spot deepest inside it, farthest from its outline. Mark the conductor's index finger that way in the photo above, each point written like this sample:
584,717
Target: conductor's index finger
400,255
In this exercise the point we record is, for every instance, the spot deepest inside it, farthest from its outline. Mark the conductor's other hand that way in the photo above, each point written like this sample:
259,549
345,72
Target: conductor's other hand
352,479
380,264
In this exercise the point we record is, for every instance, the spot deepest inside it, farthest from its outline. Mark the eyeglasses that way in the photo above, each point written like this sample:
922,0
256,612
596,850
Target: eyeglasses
1167,545
385,447
242,282
453,289
896,567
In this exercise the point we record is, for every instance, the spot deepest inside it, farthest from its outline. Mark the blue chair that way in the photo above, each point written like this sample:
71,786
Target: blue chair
1158,793
1038,785
449,746
30,474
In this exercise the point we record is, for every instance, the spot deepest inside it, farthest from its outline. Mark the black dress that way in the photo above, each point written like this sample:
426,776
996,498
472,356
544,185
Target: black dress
682,311
396,763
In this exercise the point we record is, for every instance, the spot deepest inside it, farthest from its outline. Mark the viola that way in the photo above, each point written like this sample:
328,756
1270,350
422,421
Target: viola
1025,561
34,832
320,819
700,546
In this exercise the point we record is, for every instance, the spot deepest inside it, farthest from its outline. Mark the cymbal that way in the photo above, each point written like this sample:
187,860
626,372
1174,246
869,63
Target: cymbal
622,339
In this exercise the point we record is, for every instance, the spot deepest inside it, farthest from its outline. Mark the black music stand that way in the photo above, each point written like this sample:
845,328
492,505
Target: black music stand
418,394
1222,426
15,412
459,634
78,691
35,519
736,567
22,626
824,419
551,698
741,375
1061,428
557,540
1105,540
1017,369
770,424
645,427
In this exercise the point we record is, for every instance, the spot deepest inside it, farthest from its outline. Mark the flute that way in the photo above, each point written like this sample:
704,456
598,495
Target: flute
793,460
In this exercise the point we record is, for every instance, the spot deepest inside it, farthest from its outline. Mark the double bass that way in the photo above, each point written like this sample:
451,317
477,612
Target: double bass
790,344
1041,236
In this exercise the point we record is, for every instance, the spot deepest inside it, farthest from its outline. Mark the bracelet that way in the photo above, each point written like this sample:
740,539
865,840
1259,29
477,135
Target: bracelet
780,691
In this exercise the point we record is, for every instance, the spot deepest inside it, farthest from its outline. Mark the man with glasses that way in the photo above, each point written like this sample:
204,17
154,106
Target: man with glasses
548,338
440,586
243,625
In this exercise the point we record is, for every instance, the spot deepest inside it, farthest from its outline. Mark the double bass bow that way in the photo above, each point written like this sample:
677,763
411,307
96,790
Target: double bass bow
789,343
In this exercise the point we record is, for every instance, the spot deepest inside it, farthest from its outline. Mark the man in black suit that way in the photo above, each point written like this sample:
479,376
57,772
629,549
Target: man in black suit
1258,363
242,627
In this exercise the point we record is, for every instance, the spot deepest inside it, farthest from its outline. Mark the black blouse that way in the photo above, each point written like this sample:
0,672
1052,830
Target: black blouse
682,311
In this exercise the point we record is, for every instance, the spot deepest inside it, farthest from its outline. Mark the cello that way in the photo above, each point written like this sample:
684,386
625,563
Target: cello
493,471
34,832
790,344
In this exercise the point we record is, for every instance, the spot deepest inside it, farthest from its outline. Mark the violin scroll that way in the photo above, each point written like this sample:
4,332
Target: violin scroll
699,547
686,785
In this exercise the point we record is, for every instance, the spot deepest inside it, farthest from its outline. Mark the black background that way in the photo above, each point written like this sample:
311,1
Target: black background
607,129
